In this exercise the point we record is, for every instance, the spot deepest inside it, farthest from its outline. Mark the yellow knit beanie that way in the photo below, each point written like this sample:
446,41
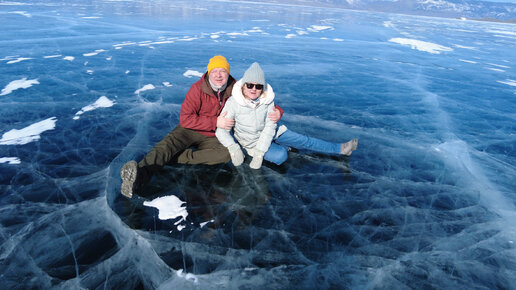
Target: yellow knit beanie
218,61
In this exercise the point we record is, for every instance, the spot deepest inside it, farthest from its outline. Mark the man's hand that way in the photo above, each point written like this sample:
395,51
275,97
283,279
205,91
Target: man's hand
225,123
275,115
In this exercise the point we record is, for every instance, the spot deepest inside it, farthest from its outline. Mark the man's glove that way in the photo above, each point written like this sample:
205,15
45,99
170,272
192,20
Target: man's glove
237,156
256,163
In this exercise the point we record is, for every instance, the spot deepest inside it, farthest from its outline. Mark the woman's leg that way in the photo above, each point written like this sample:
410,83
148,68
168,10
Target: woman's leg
299,141
276,154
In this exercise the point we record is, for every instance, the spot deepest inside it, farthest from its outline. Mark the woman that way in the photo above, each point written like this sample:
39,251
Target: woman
250,102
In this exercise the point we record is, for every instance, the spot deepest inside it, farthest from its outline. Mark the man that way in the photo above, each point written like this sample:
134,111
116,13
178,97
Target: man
198,120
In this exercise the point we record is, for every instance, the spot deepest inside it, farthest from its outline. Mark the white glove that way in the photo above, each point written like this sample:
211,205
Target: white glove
256,163
237,156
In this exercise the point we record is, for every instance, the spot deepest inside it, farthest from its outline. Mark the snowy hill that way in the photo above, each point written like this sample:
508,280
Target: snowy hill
439,8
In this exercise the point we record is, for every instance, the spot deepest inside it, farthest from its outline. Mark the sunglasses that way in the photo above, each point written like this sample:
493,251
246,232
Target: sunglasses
250,86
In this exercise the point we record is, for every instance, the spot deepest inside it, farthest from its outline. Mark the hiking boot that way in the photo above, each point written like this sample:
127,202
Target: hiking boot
128,174
348,147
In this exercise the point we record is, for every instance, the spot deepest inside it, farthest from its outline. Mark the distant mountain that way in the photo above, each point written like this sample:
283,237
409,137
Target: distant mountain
480,10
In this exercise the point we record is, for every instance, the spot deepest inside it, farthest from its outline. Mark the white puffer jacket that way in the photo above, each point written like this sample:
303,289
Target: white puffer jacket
253,130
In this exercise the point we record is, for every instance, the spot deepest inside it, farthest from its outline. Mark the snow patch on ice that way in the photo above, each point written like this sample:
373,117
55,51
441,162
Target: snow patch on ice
169,207
156,42
10,160
255,30
188,39
120,45
69,58
512,33
237,34
495,69
18,84
205,223
421,45
192,73
12,3
388,24
465,47
318,28
509,82
145,88
93,53
22,13
188,276
28,134
498,65
18,60
102,102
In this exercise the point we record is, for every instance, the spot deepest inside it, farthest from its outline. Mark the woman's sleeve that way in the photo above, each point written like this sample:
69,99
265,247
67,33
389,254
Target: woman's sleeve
265,140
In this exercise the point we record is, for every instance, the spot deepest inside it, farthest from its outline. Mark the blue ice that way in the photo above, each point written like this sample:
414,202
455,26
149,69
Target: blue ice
427,200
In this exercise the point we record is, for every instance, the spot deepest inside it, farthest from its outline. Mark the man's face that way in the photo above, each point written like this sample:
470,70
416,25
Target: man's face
218,76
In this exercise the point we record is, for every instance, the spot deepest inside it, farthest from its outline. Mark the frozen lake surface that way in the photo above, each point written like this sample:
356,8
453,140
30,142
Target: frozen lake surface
427,201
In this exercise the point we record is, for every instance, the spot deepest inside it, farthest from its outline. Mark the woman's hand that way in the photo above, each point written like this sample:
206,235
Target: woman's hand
237,156
256,163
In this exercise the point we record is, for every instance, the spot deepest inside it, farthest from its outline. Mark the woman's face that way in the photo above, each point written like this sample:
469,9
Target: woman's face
252,91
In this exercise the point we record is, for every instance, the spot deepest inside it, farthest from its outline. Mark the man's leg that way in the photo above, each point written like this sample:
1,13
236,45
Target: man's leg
135,175
164,151
209,152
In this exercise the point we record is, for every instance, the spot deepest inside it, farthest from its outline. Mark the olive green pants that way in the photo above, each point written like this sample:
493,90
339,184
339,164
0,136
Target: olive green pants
176,147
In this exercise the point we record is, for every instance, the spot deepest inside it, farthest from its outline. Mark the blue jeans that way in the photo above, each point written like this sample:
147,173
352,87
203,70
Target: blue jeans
277,153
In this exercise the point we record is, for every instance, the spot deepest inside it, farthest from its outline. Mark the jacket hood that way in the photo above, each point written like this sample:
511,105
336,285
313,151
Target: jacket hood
266,97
